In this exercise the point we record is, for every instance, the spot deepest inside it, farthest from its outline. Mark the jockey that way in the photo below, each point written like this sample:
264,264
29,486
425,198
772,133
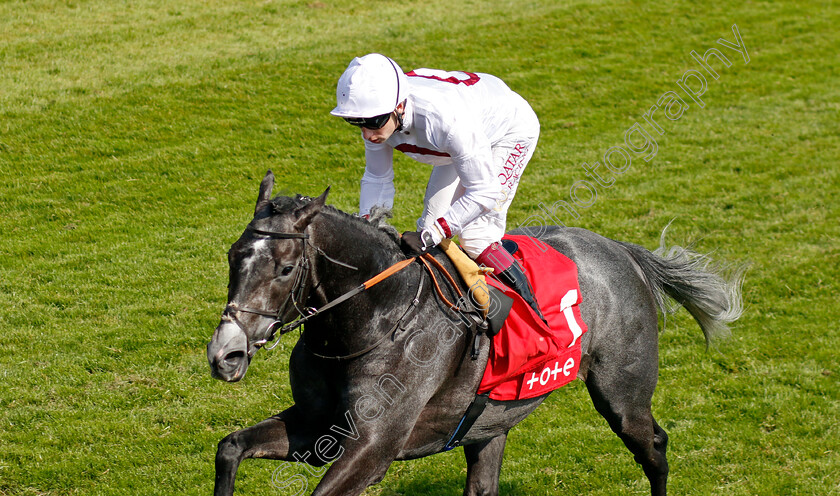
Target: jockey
477,133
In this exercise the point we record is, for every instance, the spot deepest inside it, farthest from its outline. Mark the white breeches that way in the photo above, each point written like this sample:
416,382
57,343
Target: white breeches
509,160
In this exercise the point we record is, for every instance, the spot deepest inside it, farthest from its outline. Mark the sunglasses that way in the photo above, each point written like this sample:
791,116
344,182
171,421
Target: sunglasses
372,123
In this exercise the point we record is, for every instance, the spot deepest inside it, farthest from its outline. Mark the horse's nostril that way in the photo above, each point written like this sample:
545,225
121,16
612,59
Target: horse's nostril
234,356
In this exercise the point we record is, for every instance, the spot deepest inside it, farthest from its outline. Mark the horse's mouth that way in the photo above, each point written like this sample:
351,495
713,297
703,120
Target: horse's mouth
232,367
227,353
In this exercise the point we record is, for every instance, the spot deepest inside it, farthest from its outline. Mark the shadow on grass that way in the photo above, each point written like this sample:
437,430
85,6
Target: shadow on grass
448,487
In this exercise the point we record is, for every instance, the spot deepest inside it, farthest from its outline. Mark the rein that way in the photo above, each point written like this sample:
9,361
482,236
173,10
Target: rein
397,267
296,295
414,303
312,312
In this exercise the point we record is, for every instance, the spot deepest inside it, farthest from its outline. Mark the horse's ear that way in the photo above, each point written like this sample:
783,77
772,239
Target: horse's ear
266,186
306,213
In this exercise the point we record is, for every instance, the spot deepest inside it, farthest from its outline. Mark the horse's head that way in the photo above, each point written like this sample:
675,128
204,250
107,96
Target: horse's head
268,279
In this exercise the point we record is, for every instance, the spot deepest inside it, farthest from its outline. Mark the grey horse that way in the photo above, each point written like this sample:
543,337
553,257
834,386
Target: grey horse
387,374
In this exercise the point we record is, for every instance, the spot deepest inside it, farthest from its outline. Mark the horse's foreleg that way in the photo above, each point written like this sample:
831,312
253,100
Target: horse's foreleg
367,449
358,467
484,464
272,438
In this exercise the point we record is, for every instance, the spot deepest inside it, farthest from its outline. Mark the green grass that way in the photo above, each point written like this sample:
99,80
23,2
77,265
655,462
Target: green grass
133,136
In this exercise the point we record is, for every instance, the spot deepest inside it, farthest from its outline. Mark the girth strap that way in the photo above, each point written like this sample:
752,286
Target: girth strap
473,412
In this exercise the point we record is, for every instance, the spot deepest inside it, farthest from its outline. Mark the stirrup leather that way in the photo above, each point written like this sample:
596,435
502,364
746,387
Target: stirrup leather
514,277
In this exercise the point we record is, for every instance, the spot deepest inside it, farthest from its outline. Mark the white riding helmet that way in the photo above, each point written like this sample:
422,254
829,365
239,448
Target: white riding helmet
372,85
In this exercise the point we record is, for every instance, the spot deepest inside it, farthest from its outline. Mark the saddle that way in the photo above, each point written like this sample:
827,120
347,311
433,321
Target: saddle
493,303
528,357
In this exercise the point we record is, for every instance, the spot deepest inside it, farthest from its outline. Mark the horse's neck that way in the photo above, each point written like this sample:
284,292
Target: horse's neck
352,242
370,251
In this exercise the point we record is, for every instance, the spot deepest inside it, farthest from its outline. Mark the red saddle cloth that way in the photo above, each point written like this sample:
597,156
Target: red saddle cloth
528,358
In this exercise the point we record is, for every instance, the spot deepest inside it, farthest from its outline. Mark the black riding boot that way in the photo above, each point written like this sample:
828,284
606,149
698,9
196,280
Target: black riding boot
514,277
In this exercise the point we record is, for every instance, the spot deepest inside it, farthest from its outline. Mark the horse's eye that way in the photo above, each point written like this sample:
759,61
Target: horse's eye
287,270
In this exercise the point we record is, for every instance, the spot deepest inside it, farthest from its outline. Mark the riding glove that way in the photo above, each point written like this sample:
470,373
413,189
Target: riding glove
414,243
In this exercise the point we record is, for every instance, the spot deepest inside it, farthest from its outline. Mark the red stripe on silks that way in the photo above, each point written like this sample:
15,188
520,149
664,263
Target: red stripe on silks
472,78
406,148
446,231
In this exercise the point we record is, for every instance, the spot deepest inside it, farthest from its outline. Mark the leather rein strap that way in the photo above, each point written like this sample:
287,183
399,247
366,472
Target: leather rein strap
373,281
414,303
296,295
346,296
397,267
426,258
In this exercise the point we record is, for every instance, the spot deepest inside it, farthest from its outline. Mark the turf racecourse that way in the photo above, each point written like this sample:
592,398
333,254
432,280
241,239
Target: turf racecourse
133,137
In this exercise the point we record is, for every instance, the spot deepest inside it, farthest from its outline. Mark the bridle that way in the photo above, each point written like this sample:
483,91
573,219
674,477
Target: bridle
296,296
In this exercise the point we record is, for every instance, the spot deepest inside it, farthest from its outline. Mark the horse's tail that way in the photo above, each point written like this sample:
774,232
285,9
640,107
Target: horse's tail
709,290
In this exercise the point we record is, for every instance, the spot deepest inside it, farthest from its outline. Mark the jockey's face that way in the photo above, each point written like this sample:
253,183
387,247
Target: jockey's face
384,132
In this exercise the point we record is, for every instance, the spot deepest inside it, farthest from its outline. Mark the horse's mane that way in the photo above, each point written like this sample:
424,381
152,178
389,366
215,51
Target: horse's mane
376,224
